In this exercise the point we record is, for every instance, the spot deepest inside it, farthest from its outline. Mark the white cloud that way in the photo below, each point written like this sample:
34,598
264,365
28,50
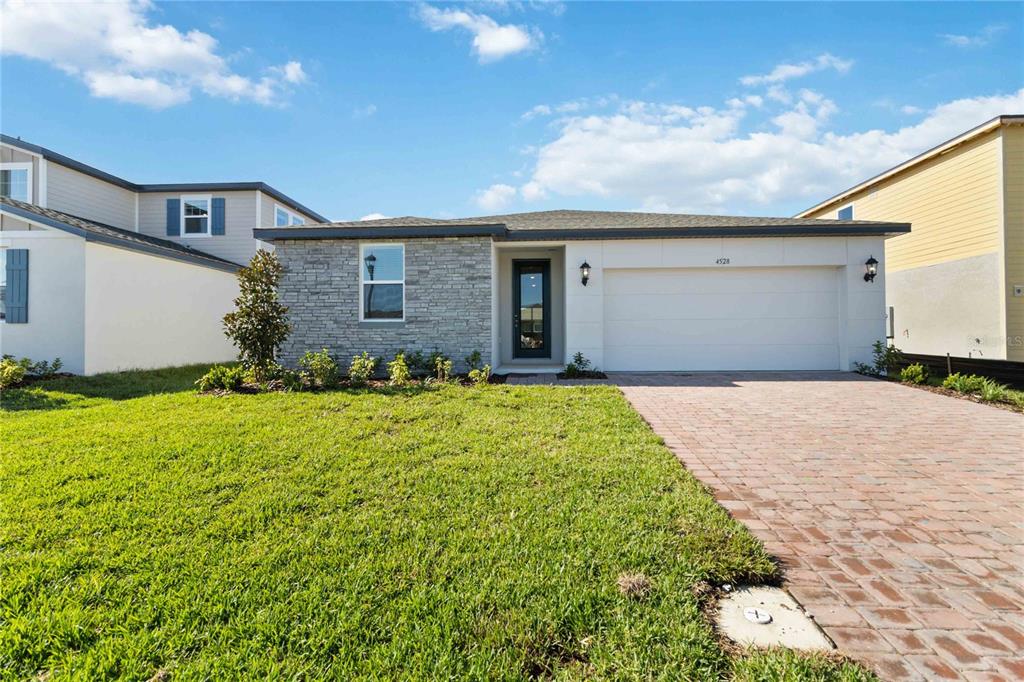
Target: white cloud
785,72
572,106
491,41
910,109
669,157
118,53
979,39
495,197
374,216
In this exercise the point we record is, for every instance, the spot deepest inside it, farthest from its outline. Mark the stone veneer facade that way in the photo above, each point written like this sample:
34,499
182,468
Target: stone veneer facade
447,299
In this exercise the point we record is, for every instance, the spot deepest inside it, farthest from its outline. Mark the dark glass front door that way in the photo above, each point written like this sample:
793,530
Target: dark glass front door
531,309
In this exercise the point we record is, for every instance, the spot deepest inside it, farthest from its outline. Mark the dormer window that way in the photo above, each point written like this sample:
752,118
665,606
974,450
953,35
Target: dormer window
283,217
16,181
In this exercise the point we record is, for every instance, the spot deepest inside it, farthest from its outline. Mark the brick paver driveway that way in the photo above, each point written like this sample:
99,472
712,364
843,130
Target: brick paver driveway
898,514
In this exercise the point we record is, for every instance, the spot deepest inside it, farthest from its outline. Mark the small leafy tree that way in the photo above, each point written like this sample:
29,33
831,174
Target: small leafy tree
398,371
259,325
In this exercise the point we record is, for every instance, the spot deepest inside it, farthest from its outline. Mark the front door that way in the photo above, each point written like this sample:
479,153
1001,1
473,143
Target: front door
531,308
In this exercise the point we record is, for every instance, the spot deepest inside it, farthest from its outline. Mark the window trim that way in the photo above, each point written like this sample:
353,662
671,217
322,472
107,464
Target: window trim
292,216
25,166
208,198
383,320
3,267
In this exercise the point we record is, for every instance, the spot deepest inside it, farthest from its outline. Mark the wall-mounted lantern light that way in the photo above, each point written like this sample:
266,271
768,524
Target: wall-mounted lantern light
585,273
870,269
371,263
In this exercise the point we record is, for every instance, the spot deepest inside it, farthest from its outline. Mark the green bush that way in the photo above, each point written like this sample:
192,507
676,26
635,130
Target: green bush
914,374
474,360
480,376
398,371
994,391
361,369
578,367
12,373
964,383
442,368
321,368
221,378
887,358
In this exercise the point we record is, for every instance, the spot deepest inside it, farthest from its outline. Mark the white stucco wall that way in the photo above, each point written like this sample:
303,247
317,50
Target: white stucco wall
146,312
56,286
861,305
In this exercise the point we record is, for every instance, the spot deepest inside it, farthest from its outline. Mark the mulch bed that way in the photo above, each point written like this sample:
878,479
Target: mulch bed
587,374
963,396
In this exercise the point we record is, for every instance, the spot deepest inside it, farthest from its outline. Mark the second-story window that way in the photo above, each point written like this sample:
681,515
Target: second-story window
283,217
195,216
16,181
846,213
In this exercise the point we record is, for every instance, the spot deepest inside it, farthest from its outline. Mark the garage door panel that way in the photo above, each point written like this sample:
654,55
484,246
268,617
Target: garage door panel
706,319
753,305
717,357
724,281
823,330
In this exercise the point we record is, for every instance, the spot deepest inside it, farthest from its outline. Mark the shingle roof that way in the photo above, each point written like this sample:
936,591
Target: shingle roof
115,236
568,224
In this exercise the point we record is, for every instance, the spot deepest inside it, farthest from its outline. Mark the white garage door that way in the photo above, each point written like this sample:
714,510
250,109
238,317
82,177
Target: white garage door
721,319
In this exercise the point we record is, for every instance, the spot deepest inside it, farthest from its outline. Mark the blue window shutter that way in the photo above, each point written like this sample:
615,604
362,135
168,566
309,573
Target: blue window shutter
217,211
174,217
16,295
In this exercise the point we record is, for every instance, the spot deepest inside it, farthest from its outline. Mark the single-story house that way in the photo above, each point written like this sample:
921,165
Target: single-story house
956,284
631,291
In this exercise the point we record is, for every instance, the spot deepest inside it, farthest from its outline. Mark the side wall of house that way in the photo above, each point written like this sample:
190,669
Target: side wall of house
88,197
1013,193
236,244
944,279
56,286
447,300
144,312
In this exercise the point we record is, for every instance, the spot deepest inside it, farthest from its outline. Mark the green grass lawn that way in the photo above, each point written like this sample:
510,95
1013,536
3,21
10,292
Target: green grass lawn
450,533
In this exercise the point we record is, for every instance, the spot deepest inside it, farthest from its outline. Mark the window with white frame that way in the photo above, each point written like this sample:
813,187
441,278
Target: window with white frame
283,217
195,215
382,282
16,181
845,213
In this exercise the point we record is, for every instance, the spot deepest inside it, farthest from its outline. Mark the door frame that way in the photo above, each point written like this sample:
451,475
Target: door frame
545,265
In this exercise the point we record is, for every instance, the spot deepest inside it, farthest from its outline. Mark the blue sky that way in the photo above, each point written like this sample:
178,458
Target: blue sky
465,109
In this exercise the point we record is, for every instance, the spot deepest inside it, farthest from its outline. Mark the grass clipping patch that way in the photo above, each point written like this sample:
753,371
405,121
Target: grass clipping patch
442,534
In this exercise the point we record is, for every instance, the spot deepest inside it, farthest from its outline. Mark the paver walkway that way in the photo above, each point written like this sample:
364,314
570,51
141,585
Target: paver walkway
898,514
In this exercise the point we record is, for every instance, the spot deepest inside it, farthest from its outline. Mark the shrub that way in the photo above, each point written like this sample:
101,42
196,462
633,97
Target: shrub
398,371
887,358
474,360
442,368
259,324
321,368
481,375
361,369
221,378
578,367
994,391
964,383
12,373
914,374
416,362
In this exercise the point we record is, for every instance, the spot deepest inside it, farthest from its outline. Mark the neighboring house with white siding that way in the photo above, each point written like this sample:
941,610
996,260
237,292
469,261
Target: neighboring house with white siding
956,283
108,274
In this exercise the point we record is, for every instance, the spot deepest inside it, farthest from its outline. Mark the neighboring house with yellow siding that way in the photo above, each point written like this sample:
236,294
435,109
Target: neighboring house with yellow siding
956,281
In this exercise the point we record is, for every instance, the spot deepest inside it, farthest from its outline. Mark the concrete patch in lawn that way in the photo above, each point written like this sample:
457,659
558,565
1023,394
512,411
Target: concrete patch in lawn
766,617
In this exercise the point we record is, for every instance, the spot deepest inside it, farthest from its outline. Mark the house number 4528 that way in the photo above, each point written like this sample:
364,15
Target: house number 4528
722,261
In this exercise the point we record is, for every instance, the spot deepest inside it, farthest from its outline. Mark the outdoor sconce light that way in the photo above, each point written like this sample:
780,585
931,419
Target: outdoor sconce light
585,273
870,269
371,263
